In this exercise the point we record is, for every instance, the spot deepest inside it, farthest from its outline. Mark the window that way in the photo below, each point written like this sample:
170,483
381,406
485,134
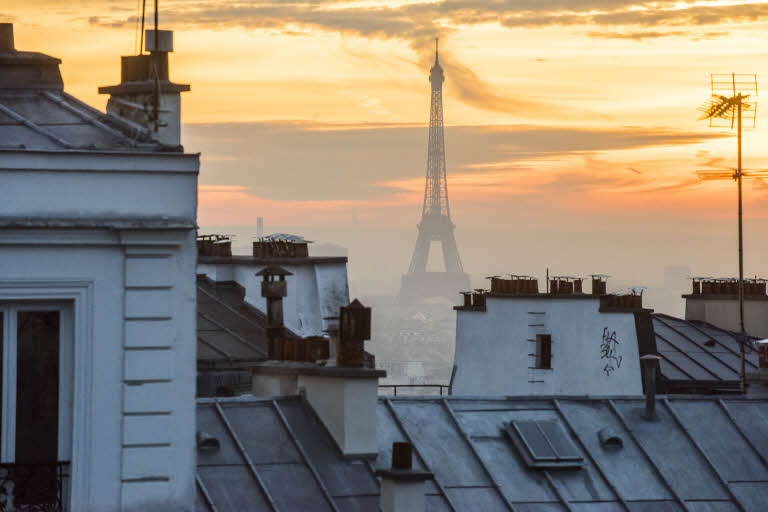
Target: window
544,351
36,383
544,444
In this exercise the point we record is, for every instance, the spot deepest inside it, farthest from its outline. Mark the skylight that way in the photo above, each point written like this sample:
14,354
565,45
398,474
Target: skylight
544,444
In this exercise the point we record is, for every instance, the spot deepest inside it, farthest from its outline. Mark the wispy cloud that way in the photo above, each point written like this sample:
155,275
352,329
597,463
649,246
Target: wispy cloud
416,21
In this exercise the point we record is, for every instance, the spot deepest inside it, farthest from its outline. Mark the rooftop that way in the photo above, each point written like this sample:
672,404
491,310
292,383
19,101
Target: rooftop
699,357
36,113
230,332
52,120
702,453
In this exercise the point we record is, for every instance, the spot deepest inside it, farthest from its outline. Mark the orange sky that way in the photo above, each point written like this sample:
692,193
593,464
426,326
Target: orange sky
614,86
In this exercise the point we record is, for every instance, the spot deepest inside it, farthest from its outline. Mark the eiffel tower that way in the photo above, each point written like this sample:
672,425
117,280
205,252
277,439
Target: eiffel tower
435,225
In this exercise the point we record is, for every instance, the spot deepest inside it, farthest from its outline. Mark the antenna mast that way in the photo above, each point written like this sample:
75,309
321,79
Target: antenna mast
728,101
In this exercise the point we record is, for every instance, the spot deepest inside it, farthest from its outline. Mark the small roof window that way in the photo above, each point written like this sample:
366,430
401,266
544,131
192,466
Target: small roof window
544,444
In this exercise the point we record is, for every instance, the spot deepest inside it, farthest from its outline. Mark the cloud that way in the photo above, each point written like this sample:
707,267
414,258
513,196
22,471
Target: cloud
637,36
414,22
379,163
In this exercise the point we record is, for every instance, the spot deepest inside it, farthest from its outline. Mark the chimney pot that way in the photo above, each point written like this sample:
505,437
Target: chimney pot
650,364
6,37
402,455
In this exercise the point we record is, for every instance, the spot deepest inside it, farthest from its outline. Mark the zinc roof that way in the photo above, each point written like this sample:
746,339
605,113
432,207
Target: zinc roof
52,120
699,353
700,454
229,331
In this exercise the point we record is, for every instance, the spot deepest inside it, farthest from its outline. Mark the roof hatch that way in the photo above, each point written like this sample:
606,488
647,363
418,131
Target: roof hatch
544,444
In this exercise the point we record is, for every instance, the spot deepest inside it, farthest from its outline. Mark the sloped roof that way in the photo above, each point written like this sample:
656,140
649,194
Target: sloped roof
703,453
699,354
229,331
52,120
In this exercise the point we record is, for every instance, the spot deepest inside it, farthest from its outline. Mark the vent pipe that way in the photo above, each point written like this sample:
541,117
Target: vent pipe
402,488
6,37
650,364
274,288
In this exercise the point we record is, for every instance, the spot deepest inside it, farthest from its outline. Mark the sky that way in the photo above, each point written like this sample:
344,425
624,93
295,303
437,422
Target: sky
573,136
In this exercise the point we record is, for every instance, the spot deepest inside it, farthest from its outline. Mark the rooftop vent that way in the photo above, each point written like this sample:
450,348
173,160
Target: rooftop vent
544,444
609,439
206,442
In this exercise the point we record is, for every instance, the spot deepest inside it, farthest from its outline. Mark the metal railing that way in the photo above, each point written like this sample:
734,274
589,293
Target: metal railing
443,388
33,487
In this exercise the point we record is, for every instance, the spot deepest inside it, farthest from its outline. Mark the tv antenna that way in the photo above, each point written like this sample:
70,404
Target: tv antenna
731,96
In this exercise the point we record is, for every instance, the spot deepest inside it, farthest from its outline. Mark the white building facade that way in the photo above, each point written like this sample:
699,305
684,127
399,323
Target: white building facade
546,344
97,298
317,287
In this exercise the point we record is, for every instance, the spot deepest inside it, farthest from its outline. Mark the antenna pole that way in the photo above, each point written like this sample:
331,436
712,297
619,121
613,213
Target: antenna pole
741,263
157,16
141,36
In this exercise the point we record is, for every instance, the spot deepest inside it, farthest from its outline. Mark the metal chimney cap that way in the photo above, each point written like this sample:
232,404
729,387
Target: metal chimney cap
6,37
274,271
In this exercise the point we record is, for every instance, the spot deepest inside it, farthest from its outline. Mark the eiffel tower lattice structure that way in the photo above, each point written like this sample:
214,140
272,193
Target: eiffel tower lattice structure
436,224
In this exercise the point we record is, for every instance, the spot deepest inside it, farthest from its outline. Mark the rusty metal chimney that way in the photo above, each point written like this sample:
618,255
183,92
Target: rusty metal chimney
355,326
274,288
650,364
6,37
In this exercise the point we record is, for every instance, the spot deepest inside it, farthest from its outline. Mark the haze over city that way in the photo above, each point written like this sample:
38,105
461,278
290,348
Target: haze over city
572,130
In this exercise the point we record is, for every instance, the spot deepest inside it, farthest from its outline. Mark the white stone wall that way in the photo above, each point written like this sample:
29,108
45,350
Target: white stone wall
114,236
493,349
724,313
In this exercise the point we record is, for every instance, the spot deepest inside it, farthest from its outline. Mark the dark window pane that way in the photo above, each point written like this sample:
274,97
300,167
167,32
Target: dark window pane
543,351
37,403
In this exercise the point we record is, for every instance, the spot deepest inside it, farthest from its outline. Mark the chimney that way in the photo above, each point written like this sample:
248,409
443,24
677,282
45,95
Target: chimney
650,365
274,288
355,328
402,488
599,284
6,37
343,396
26,70
145,97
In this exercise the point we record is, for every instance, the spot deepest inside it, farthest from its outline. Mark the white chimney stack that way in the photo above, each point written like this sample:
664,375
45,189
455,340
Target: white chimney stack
145,98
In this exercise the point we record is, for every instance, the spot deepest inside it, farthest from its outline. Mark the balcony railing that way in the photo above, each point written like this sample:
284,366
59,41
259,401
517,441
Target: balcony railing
414,389
33,487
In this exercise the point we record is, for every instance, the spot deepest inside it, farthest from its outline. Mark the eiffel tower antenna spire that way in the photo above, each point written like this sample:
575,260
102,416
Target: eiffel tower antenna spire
436,224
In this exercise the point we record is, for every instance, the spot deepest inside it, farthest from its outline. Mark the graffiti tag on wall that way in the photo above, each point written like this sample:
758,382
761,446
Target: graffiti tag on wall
609,351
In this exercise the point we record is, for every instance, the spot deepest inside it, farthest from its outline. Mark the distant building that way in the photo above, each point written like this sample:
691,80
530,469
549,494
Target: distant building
97,293
232,313
716,301
516,341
